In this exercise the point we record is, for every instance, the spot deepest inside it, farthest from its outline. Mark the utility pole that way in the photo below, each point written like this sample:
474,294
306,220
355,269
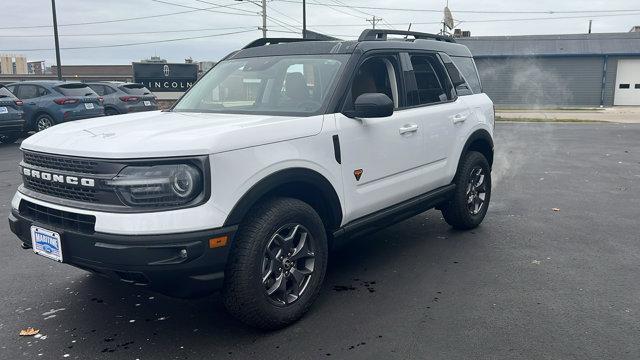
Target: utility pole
304,19
374,21
57,41
264,18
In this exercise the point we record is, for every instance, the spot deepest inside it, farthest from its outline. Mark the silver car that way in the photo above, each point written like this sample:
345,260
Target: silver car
123,98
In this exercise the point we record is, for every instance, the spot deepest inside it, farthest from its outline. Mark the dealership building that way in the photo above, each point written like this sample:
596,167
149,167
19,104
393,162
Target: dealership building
559,70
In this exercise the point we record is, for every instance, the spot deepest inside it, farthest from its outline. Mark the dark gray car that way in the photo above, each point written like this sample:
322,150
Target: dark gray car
50,102
11,121
123,98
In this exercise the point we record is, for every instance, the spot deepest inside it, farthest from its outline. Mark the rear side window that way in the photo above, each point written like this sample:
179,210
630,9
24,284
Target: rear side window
459,82
76,90
469,71
135,89
99,89
430,81
26,91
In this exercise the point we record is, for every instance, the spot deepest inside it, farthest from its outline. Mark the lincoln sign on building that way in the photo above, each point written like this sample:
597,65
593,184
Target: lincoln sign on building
166,78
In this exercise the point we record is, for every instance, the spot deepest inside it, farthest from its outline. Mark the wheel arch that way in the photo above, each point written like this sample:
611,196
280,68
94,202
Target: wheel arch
480,141
36,114
300,183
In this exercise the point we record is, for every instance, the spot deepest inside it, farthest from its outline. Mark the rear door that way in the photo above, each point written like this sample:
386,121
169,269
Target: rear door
9,105
29,94
432,99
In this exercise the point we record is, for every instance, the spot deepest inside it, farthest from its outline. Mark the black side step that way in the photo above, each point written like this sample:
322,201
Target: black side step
396,213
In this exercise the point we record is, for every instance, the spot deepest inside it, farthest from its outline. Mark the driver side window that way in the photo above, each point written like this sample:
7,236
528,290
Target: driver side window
378,74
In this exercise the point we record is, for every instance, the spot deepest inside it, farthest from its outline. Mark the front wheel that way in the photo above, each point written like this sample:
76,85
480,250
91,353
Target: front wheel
277,264
468,205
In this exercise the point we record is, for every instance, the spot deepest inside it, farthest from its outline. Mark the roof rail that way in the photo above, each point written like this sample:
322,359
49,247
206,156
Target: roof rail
273,41
381,35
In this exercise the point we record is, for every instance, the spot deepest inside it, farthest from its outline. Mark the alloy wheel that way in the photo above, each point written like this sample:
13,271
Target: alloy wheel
476,191
288,264
44,123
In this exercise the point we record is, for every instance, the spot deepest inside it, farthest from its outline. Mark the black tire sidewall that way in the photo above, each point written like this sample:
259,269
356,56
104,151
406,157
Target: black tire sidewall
246,274
456,212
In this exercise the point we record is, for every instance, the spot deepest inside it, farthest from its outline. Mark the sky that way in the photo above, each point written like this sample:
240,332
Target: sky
227,25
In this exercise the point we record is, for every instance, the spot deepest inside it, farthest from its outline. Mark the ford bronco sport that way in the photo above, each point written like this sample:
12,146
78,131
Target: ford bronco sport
283,146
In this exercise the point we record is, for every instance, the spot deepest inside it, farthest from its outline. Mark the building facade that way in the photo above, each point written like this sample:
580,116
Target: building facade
559,70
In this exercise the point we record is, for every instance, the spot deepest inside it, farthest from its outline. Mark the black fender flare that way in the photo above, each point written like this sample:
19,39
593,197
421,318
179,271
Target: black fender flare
278,181
482,135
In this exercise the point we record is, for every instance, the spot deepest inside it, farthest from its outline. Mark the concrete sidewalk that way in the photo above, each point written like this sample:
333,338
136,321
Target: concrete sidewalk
618,114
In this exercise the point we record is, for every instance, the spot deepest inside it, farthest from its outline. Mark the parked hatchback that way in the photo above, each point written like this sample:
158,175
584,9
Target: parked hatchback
49,102
123,98
11,121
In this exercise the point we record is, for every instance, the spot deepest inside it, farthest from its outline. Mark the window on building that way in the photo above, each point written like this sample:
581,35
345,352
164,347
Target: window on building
637,86
625,86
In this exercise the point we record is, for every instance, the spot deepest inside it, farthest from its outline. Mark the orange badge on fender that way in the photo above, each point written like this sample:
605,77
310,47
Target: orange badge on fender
357,173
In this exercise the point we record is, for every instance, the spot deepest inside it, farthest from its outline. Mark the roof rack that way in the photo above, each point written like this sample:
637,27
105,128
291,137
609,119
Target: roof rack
381,35
273,41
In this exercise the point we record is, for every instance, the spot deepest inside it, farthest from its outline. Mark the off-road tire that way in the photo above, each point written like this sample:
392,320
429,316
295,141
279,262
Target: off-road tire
456,211
243,292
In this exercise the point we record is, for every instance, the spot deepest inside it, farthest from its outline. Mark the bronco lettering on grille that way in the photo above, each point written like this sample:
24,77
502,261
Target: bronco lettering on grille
57,178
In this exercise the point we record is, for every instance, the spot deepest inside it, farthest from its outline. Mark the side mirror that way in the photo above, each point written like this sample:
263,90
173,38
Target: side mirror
371,105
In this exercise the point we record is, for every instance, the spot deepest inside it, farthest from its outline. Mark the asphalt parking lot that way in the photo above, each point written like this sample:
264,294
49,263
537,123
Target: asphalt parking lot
531,282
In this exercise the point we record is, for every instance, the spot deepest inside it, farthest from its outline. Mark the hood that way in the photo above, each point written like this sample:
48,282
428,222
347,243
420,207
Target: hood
168,134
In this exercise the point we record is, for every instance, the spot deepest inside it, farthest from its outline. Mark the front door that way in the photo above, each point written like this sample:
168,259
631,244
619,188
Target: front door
381,157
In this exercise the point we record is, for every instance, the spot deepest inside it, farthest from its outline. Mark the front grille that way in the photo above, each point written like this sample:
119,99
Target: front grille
57,218
61,190
70,164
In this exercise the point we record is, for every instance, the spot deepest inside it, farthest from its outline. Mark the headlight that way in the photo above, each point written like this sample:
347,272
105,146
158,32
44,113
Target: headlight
158,185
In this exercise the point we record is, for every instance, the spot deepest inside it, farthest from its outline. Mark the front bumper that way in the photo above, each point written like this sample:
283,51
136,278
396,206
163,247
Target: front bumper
154,261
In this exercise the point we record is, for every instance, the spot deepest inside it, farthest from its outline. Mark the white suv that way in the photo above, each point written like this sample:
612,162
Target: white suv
241,186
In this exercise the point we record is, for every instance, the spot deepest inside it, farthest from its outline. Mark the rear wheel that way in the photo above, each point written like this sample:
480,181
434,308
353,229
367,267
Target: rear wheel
111,111
277,264
44,121
468,205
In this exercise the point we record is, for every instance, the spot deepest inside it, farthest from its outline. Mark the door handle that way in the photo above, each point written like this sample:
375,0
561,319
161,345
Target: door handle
408,128
458,118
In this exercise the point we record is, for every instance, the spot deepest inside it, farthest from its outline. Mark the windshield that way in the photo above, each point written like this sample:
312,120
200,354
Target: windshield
286,85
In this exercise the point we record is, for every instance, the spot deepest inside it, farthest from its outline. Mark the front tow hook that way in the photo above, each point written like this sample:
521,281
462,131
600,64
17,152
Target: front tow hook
25,246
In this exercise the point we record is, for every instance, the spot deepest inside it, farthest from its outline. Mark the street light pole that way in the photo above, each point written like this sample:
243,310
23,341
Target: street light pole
304,19
264,18
57,41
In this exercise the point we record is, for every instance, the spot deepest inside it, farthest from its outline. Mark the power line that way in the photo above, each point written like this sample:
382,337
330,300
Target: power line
130,44
117,20
128,33
471,11
242,11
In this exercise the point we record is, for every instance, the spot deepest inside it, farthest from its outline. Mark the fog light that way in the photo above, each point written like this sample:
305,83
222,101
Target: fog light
183,253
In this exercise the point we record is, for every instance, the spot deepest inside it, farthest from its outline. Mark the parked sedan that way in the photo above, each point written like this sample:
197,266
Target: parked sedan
11,121
49,102
123,98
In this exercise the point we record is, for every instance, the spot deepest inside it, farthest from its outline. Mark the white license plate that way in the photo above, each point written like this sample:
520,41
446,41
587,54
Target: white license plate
89,106
46,243
3,110
147,103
